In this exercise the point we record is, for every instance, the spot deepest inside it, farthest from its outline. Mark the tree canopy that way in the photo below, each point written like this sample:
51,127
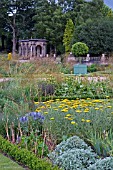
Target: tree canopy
49,19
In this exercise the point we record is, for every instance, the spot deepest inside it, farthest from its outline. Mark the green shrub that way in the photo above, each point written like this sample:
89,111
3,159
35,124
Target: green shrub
92,68
24,156
79,49
105,164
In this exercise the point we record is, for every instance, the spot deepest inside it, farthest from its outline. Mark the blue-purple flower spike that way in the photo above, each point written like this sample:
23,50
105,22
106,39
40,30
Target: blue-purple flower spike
23,119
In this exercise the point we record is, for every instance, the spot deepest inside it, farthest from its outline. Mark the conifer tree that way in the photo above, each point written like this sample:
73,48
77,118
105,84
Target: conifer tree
68,35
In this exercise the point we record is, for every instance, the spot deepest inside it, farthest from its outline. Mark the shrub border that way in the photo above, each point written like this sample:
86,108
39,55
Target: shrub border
24,156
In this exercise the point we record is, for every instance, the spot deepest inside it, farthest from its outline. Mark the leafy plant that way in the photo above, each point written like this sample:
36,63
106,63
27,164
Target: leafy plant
106,163
24,156
73,154
79,49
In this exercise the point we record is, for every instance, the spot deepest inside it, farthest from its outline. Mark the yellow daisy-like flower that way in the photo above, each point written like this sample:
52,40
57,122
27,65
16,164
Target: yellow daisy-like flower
57,99
78,111
73,122
109,106
52,118
64,110
70,118
45,112
96,108
68,115
36,102
37,110
86,110
88,120
107,96
83,120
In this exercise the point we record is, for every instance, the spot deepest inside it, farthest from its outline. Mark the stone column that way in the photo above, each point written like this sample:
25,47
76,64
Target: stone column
31,50
20,50
26,50
44,50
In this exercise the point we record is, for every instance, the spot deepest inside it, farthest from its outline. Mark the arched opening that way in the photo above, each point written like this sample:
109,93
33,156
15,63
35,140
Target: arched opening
38,50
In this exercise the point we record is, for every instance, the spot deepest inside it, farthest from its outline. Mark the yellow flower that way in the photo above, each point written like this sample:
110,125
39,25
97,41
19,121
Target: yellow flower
73,122
96,108
9,56
107,96
45,112
78,111
52,118
83,120
88,120
37,110
36,102
68,115
64,110
70,118
56,109
109,106
86,110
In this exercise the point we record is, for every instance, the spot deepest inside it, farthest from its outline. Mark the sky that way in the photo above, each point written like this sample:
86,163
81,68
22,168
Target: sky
109,3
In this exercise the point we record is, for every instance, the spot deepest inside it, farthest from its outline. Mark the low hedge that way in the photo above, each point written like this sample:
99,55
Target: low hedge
24,156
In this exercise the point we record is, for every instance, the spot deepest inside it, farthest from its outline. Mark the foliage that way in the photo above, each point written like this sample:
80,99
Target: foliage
81,117
67,144
92,68
24,156
75,156
106,163
97,35
79,49
102,142
68,35
76,87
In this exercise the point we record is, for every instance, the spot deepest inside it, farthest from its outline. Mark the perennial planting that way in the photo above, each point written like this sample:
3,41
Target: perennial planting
37,114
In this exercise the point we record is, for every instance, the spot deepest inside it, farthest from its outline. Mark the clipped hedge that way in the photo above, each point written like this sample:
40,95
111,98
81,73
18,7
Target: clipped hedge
24,156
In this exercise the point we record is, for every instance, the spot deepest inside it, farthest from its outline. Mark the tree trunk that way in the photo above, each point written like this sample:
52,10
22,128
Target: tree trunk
2,40
14,37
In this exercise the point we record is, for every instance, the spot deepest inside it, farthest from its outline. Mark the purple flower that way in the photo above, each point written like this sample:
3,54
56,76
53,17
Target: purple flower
32,114
23,119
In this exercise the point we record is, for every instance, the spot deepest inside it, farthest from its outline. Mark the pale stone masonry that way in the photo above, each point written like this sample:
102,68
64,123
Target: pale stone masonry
32,48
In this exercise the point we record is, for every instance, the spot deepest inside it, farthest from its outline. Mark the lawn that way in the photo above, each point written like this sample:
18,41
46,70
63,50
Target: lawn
7,164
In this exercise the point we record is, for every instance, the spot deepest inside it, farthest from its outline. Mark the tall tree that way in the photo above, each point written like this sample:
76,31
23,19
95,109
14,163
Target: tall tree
50,23
13,14
98,35
68,35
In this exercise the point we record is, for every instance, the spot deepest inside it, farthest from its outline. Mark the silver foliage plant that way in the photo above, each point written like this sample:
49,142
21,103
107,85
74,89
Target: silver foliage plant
101,164
73,154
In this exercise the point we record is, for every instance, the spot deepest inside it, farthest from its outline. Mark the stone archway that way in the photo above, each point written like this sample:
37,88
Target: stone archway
38,50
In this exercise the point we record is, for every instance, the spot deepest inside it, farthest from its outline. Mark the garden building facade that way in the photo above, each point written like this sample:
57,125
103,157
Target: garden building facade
32,48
